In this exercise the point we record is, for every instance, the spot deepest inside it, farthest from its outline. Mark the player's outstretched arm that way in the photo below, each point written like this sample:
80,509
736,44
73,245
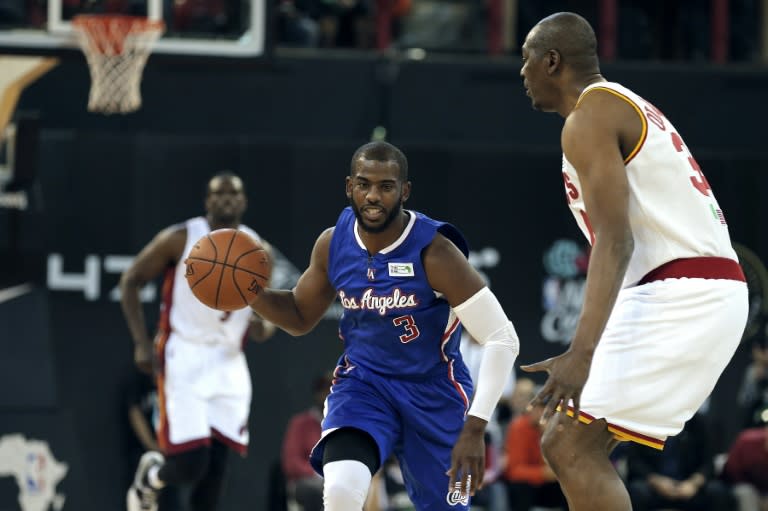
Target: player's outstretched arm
481,314
297,311
164,249
592,140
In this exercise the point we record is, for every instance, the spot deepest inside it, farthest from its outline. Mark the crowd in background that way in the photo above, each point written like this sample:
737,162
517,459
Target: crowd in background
683,30
655,30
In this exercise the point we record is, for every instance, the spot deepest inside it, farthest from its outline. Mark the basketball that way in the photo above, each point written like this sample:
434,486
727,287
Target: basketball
226,269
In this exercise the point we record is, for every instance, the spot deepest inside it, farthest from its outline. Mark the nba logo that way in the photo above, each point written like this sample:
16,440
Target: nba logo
371,274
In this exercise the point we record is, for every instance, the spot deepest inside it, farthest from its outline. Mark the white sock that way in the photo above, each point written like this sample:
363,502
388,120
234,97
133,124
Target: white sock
346,485
153,477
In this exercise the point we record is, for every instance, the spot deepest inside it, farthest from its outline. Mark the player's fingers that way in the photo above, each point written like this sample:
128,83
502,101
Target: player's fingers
543,396
454,477
576,407
536,367
551,407
566,405
468,479
477,478
452,472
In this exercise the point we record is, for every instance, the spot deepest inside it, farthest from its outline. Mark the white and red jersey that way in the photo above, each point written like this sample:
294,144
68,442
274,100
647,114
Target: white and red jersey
184,315
673,212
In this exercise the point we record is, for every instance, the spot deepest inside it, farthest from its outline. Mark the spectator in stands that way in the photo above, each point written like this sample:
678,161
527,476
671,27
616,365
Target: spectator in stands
680,477
295,26
303,432
747,467
530,481
753,395
345,23
443,26
520,397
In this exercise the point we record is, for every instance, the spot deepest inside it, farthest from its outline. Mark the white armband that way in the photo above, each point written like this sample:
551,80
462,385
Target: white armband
485,320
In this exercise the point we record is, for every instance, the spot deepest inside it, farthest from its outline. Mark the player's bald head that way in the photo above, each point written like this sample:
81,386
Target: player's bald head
225,176
571,36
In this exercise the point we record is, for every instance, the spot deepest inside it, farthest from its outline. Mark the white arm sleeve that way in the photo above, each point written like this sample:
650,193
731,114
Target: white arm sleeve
485,320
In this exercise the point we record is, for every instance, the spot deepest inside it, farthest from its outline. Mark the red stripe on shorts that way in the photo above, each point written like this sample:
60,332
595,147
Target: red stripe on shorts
696,268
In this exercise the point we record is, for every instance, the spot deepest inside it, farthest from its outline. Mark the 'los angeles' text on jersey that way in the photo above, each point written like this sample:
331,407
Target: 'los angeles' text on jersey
383,304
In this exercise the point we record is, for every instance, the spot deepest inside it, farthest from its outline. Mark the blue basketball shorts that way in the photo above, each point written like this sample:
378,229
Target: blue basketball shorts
416,421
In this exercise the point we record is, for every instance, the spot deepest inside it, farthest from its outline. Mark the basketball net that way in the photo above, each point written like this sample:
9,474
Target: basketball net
117,48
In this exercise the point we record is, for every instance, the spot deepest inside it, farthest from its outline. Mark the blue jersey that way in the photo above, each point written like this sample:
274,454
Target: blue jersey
394,323
401,378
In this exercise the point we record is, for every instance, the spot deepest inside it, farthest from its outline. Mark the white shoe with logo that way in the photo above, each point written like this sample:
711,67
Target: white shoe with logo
141,496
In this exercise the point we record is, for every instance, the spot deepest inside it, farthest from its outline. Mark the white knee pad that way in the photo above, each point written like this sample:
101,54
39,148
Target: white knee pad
346,485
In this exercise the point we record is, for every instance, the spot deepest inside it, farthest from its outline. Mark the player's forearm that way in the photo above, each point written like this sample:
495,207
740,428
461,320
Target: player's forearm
607,266
484,319
142,429
279,306
132,309
497,364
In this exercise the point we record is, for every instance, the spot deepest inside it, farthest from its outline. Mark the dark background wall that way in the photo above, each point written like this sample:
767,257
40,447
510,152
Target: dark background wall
479,157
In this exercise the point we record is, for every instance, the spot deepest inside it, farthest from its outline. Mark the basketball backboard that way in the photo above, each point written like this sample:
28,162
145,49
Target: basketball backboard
227,28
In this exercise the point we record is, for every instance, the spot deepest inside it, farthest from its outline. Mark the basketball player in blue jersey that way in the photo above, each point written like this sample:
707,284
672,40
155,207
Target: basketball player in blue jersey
400,386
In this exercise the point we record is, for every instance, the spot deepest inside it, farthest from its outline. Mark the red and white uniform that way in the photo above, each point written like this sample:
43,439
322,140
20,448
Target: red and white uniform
683,305
204,385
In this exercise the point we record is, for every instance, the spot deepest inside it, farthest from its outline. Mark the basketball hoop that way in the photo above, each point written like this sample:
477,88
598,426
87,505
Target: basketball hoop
117,48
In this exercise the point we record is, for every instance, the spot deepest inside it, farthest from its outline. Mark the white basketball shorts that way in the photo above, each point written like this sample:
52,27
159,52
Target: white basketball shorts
204,392
663,349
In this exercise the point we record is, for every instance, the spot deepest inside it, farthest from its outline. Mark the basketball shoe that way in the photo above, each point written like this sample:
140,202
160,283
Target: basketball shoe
141,495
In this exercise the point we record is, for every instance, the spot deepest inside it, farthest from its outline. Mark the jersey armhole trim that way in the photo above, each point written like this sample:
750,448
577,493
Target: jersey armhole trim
644,133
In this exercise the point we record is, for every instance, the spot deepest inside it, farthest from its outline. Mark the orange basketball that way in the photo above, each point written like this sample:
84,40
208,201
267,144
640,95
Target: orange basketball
226,269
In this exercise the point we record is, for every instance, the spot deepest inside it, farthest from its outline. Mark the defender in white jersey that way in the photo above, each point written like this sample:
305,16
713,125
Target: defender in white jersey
203,382
665,303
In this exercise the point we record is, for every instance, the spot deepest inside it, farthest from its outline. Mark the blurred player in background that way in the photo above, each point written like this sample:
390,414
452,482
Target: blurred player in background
197,356
401,386
661,268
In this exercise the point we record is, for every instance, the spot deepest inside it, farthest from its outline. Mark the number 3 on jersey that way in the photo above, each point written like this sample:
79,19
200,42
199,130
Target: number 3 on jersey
699,181
411,330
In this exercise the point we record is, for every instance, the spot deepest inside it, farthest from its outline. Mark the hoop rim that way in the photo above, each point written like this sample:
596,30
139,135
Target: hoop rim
140,23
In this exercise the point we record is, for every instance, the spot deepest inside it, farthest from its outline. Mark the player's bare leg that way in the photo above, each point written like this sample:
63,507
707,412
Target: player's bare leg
578,454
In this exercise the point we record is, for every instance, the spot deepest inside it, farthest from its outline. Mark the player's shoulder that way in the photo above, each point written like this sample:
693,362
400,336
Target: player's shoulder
440,242
180,230
601,108
603,101
322,249
442,248
171,240
326,236
605,90
250,231
445,233
177,231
